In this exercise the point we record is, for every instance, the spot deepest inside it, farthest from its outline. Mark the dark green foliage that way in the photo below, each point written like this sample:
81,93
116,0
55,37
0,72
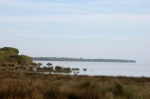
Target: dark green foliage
9,57
58,68
49,64
81,59
75,69
25,60
39,64
21,59
16,51
67,70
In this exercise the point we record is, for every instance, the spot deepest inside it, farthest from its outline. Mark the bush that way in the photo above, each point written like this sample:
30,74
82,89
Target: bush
10,55
58,67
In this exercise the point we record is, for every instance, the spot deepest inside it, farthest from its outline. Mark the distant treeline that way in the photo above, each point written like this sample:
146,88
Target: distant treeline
80,59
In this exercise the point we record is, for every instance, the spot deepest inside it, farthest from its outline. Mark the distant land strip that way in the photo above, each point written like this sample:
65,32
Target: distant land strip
81,59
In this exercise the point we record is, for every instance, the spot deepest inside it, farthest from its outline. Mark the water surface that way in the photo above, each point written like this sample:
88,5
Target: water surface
105,68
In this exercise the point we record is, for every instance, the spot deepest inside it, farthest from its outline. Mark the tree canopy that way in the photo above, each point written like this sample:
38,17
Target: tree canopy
16,51
11,55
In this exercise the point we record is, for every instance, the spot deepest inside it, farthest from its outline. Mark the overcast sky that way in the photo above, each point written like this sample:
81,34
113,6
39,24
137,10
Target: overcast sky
118,29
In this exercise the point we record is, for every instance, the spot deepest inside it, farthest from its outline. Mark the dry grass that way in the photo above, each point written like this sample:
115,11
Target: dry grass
19,85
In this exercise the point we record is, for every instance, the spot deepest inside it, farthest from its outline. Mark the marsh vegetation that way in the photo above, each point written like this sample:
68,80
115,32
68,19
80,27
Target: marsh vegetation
20,78
25,85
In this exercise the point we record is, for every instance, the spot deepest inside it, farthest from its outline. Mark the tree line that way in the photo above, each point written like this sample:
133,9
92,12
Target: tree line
80,59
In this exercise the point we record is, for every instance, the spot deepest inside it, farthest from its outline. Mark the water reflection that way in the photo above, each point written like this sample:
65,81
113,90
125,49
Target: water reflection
58,70
106,69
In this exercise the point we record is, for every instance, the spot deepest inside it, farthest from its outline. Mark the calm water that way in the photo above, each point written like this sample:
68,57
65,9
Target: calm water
109,69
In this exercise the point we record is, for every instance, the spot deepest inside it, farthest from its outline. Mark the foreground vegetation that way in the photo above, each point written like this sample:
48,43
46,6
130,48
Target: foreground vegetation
19,80
25,85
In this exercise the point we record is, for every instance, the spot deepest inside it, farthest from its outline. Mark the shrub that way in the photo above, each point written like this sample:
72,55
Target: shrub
58,67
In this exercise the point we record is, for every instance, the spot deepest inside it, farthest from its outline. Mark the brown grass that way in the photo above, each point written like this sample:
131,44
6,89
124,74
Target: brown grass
23,85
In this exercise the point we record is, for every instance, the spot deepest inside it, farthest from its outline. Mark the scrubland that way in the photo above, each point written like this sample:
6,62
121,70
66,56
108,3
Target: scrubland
32,85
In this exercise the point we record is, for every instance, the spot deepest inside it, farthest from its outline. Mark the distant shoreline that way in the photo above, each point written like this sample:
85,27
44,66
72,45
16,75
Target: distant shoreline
81,59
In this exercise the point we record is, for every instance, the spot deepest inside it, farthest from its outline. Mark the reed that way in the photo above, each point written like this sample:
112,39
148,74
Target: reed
25,85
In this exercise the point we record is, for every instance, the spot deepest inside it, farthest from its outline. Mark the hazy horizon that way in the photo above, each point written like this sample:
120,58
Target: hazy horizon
112,29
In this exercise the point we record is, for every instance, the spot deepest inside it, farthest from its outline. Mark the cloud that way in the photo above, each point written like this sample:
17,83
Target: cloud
42,4
34,7
96,18
34,34
12,31
78,4
8,2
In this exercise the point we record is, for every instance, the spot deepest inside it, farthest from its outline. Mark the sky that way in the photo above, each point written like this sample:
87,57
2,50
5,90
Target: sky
110,29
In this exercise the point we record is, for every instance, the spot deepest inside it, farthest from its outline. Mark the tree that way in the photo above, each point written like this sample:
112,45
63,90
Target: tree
49,64
39,64
25,60
16,51
9,56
